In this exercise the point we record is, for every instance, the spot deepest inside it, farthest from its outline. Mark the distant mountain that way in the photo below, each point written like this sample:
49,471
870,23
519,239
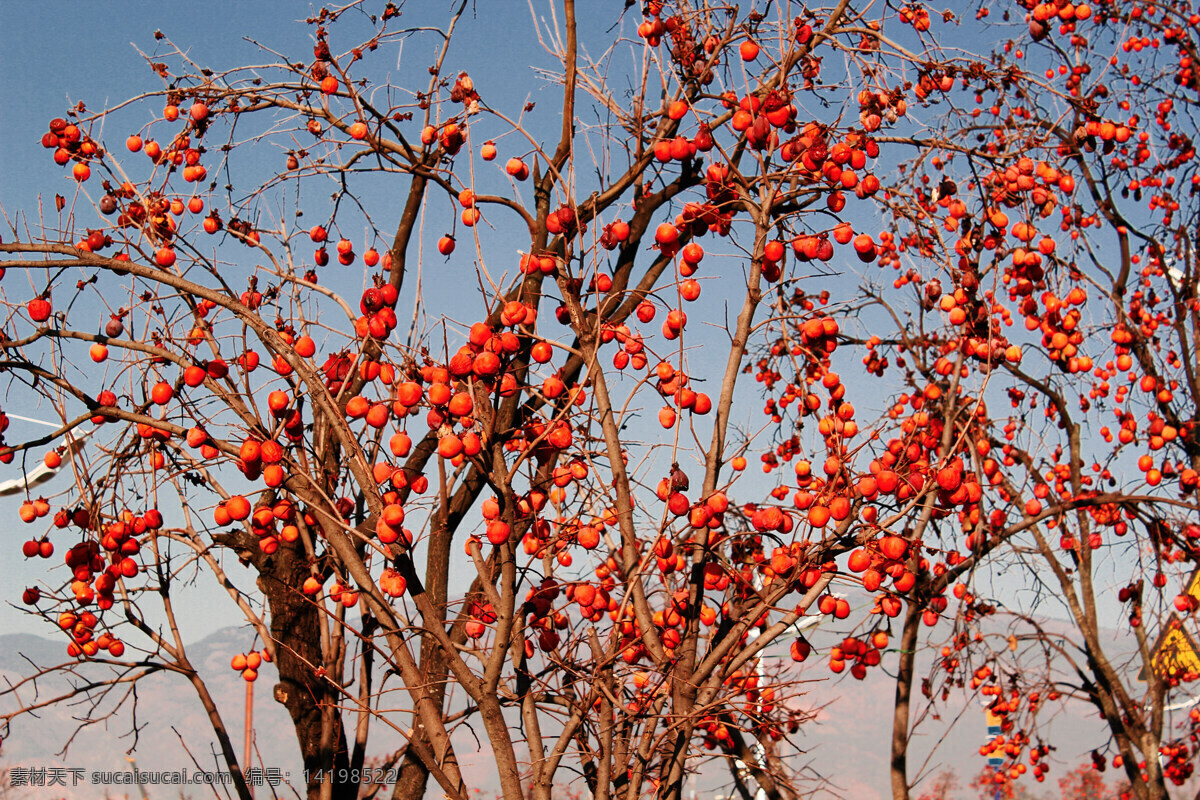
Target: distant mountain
848,742
160,727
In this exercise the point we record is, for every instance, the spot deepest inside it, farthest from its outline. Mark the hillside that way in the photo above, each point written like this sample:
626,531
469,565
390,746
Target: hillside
163,727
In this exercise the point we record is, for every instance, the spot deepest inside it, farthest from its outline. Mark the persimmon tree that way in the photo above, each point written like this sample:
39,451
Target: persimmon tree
1060,191
326,378
1082,782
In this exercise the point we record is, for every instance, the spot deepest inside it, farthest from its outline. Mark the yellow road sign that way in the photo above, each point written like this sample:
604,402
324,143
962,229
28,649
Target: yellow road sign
1175,654
1193,587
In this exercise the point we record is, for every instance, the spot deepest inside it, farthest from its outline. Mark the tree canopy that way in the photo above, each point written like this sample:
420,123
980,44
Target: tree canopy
749,346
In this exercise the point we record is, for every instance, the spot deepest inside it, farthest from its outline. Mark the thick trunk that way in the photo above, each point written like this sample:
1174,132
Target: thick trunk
900,718
414,775
295,625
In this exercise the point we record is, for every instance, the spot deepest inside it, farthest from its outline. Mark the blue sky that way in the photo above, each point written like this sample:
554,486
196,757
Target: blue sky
96,61
103,61
101,66
65,58
58,55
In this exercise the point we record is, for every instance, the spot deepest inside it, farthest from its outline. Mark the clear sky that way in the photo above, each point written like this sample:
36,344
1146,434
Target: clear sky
65,56
60,54
57,59
100,59
103,61
60,57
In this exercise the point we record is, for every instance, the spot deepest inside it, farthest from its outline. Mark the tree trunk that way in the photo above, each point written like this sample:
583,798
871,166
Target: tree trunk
295,625
414,775
900,718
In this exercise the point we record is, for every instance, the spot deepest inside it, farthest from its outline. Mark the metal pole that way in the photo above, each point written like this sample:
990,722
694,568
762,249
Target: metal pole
249,730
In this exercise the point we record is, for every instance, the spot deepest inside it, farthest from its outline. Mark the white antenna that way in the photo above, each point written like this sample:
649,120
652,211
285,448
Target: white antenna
10,415
1182,704
41,473
1175,276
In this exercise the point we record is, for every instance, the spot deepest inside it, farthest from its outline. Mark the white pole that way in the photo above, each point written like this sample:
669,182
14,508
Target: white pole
11,415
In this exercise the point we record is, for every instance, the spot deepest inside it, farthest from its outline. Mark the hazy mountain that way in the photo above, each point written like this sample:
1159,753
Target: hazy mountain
163,727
